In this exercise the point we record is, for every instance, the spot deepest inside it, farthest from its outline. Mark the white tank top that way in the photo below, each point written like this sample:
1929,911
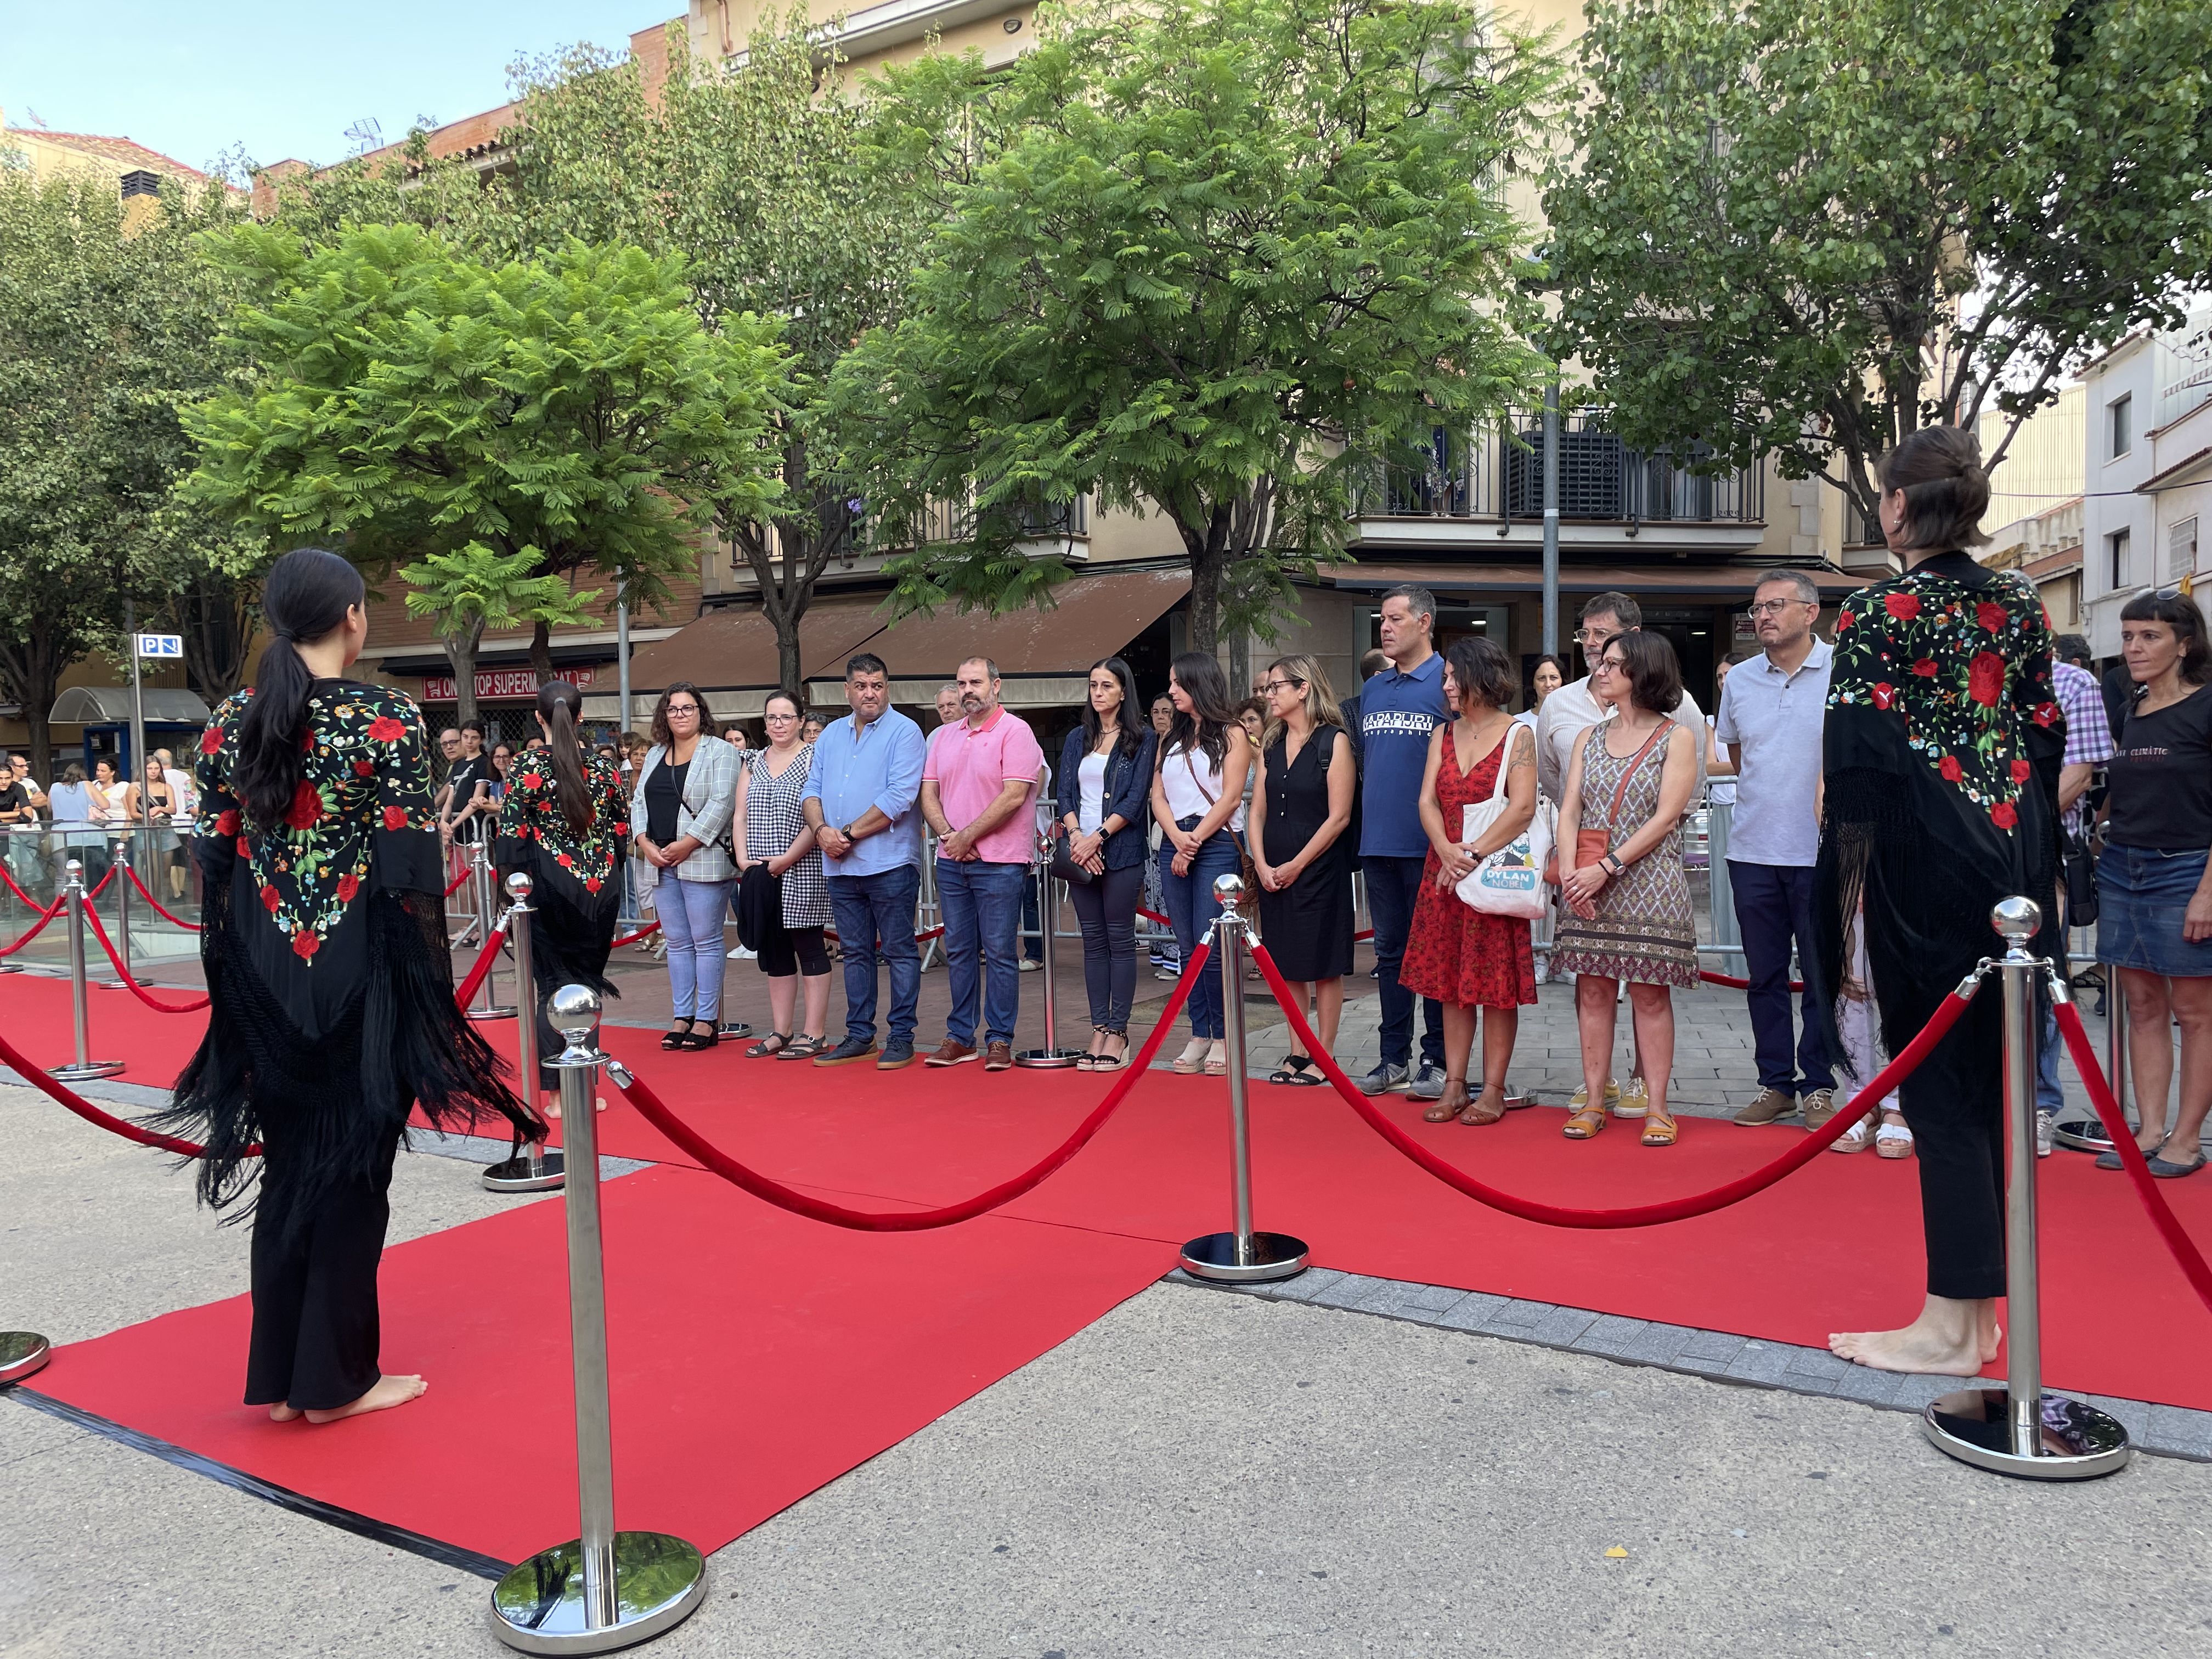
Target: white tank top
1192,783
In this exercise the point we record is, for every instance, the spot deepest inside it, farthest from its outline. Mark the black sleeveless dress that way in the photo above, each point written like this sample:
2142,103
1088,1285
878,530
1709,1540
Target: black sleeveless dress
1307,927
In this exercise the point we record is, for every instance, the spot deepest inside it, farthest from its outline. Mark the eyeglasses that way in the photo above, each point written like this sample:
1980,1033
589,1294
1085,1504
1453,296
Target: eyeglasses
1274,686
1775,607
1609,665
1592,636
785,718
691,709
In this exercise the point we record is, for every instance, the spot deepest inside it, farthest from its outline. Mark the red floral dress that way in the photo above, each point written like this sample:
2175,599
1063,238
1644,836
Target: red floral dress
1454,952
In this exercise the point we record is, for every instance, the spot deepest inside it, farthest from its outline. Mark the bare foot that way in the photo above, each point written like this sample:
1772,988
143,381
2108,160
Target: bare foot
553,1108
1951,1338
388,1391
280,1413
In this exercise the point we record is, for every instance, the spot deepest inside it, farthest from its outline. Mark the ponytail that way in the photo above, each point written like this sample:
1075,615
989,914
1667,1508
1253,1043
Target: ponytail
559,703
306,597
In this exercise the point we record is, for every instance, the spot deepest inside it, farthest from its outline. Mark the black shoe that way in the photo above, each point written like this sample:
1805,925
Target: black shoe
894,1055
703,1039
673,1041
846,1052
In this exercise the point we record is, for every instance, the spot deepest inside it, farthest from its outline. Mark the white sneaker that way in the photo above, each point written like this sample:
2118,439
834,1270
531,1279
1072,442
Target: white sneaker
743,955
2046,1126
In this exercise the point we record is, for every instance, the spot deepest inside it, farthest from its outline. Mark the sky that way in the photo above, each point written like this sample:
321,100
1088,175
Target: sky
191,78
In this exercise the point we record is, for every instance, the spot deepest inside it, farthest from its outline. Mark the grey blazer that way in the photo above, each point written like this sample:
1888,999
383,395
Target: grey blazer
710,800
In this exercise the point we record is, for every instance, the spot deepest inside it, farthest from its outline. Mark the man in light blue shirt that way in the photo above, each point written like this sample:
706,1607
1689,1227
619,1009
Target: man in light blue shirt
861,790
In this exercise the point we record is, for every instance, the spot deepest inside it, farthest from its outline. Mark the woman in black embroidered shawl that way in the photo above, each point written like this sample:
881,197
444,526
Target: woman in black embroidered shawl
330,987
565,823
1941,781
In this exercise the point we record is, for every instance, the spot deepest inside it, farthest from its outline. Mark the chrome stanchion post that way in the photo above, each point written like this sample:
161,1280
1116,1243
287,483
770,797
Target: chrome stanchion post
2018,1429
1052,1054
1241,1256
534,1169
489,1005
121,852
84,1068
603,1589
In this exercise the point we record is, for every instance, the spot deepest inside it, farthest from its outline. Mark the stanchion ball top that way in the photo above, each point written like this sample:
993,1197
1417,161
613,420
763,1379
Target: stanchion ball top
1228,890
518,885
573,1011
73,869
2016,919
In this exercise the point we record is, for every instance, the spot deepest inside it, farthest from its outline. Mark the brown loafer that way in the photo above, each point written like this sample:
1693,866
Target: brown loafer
1485,1110
997,1056
1771,1106
949,1052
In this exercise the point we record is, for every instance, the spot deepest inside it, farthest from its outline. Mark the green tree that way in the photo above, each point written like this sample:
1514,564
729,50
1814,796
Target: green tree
762,179
411,401
106,321
1807,229
1202,257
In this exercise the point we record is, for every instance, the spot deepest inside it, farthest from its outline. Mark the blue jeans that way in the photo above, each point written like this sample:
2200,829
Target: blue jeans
2049,1096
691,915
1191,910
866,908
1774,906
1393,884
982,904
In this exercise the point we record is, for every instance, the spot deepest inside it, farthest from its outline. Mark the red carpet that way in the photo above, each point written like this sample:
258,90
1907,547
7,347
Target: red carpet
754,1357
153,1047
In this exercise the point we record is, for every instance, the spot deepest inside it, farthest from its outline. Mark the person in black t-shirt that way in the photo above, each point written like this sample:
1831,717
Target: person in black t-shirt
2154,880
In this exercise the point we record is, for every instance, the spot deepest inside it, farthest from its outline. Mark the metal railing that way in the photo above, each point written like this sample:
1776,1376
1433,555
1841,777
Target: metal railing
157,854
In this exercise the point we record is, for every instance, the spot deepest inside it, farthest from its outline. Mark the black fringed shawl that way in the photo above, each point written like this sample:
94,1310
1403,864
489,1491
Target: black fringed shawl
329,977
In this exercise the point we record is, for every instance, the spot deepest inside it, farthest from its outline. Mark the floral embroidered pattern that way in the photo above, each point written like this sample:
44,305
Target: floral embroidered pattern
1965,668
532,811
365,765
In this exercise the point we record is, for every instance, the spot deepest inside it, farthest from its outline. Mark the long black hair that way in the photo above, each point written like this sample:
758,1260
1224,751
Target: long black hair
307,594
1207,688
560,705
1129,728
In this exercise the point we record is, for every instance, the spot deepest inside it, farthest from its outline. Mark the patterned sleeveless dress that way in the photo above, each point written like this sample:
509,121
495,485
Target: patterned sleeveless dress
1644,931
1454,952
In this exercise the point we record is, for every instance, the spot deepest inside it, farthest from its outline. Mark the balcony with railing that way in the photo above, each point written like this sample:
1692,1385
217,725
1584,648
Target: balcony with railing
1494,477
1062,527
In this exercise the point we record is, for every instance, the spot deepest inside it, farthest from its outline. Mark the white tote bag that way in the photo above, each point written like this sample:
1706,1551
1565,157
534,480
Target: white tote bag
1510,881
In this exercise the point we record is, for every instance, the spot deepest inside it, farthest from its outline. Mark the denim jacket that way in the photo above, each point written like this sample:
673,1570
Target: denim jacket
1128,789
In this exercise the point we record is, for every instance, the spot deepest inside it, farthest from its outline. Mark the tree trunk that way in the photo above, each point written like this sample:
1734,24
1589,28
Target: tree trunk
541,651
215,615
787,666
1240,665
1207,545
461,653
32,669
41,744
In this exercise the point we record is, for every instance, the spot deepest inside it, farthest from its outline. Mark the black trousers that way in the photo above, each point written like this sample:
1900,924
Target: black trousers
315,1328
1774,910
1954,1105
1106,910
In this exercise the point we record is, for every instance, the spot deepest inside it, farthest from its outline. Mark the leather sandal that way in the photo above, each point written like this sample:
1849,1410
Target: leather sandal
803,1047
1585,1124
672,1040
774,1044
1450,1104
1298,1070
1484,1109
1660,1129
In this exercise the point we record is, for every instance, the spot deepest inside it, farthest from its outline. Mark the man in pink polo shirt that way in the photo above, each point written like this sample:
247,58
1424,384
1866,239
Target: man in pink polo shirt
977,786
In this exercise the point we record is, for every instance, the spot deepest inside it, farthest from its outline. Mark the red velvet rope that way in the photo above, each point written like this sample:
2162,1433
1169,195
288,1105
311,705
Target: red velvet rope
922,937
104,880
1740,984
124,973
159,908
646,932
1155,916
91,1114
2185,1254
465,992
6,876
1808,1147
711,1157
38,926
460,881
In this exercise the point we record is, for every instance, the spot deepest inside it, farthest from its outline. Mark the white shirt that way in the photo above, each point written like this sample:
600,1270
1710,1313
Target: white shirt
1570,711
185,800
1091,778
1192,784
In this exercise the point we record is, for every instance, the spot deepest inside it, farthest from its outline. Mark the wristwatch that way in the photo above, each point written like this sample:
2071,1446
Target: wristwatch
845,832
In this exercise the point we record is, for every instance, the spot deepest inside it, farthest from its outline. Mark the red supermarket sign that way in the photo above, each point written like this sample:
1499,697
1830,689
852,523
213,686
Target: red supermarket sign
502,682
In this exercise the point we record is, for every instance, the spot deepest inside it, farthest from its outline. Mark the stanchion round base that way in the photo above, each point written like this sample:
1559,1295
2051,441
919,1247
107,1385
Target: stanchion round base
491,1013
1049,1059
733,1028
2080,1443
22,1353
538,1608
111,985
11,967
91,1071
514,1175
1274,1256
2082,1135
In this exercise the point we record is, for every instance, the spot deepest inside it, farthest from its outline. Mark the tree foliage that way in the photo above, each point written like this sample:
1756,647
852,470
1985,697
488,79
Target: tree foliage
760,177
413,401
106,321
1202,257
1807,229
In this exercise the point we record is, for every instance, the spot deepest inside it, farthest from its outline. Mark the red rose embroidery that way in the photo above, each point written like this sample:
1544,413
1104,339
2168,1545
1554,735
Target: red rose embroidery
1951,771
385,729
227,825
1845,620
1903,607
210,739
349,884
304,944
307,808
243,849
532,781
1992,617
2046,713
1885,694
564,861
591,883
362,769
269,900
1926,667
395,818
2020,769
2003,814
1985,678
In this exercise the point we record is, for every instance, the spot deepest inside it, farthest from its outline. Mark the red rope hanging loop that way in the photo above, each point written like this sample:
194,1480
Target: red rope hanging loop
38,926
36,1077
646,932
1641,1215
655,1111
130,984
465,993
95,892
2185,1254
461,881
159,909
6,876
1740,984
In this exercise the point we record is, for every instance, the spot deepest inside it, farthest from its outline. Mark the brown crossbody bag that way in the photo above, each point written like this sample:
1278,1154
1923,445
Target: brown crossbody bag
1591,845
